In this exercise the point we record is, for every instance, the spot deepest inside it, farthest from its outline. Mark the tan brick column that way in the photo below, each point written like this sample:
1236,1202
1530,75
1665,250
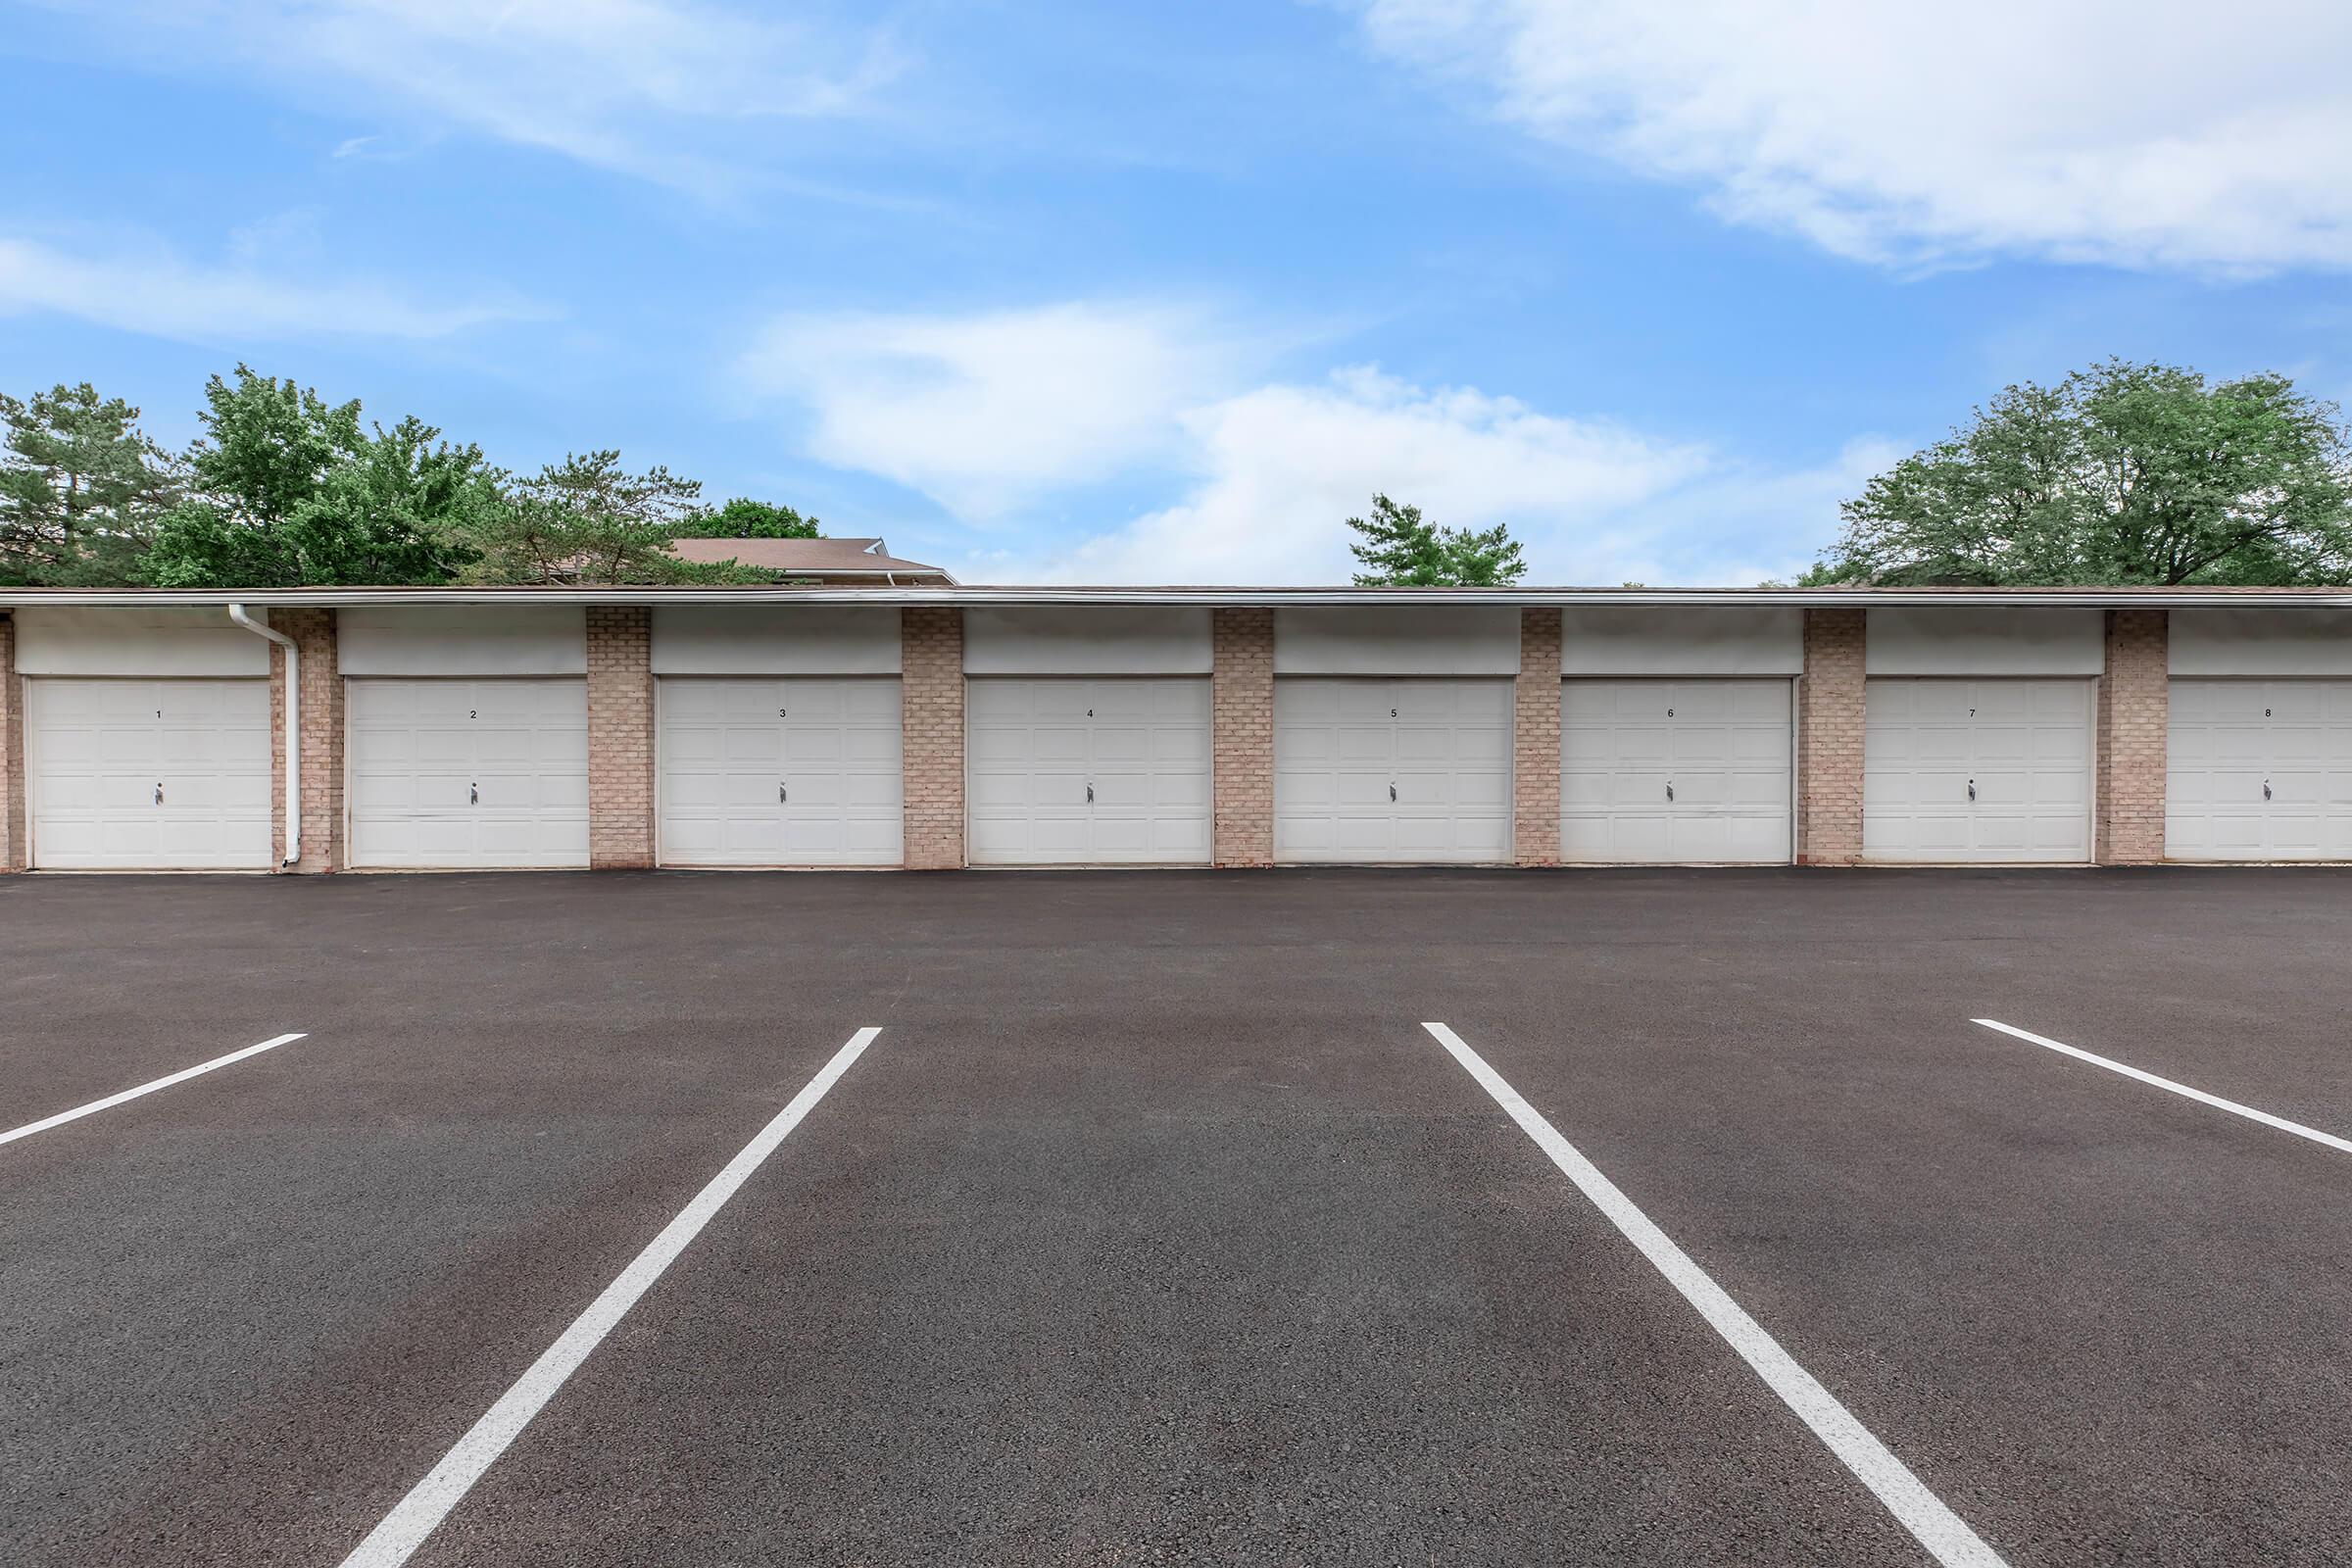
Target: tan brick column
1536,785
1242,735
1830,710
314,634
12,751
621,738
931,695
2134,714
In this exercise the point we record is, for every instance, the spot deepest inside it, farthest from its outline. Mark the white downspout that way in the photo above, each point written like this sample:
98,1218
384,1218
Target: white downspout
236,613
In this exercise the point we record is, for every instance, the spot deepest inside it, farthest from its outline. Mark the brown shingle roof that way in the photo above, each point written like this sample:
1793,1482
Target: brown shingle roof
816,557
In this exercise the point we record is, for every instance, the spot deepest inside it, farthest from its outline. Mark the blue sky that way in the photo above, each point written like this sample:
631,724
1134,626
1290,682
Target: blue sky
1127,293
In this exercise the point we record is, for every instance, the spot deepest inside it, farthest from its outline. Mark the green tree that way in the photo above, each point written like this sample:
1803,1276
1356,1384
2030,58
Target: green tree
293,492
743,519
405,508
80,489
587,520
1400,548
2121,474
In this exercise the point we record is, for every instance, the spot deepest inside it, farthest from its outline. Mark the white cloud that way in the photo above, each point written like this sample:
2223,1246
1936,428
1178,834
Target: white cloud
663,89
1734,525
1013,418
155,293
1282,466
987,413
2140,132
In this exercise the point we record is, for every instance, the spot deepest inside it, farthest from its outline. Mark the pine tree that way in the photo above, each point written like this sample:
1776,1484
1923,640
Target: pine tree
1401,549
80,489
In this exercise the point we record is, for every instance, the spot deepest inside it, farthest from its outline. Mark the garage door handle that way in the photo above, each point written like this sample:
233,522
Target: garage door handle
2266,791
783,795
1971,789
473,794
158,793
1391,792
1090,795
1670,789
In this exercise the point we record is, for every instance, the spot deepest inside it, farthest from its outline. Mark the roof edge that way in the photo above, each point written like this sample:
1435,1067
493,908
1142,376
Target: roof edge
954,595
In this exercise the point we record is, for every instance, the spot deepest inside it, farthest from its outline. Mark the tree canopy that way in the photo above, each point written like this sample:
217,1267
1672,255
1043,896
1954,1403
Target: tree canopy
1398,548
80,487
587,520
2123,474
745,518
289,491
285,488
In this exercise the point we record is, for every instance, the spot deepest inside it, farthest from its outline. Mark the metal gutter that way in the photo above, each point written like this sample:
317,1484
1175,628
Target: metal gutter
1230,598
236,613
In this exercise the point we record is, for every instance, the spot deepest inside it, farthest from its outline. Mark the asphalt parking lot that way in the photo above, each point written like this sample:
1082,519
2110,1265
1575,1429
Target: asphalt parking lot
1153,1225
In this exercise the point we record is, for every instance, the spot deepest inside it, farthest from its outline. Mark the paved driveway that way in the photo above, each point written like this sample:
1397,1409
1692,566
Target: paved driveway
1154,1225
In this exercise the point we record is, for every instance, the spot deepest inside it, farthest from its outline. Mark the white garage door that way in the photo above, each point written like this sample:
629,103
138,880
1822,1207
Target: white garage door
1674,770
780,772
1404,771
2259,770
1977,770
467,773
1079,772
149,774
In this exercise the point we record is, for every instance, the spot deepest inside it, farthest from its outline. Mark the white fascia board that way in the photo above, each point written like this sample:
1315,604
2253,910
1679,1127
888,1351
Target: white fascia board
1215,598
2250,641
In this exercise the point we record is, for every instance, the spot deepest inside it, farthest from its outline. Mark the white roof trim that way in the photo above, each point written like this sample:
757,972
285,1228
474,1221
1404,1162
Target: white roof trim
980,594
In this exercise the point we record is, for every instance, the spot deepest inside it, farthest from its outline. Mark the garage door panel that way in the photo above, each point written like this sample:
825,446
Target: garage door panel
2024,743
1186,793
1181,752
1056,745
1582,793
1589,704
96,750
1055,701
1724,745
799,771
1644,745
1120,745
1392,770
2285,703
1634,790
990,791
1480,791
817,744
1036,745
989,748
1418,746
450,774
2230,738
737,745
2298,745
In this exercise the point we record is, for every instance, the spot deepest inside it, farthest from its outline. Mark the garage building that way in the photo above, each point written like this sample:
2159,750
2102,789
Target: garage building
943,726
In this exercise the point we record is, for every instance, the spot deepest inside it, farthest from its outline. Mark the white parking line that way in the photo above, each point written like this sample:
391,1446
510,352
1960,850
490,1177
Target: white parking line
2200,1095
165,1082
416,1515
1946,1537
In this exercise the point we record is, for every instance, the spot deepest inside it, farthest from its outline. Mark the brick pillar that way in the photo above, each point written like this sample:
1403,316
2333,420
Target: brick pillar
621,738
1536,785
931,719
314,634
12,751
2134,708
1242,735
1830,710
